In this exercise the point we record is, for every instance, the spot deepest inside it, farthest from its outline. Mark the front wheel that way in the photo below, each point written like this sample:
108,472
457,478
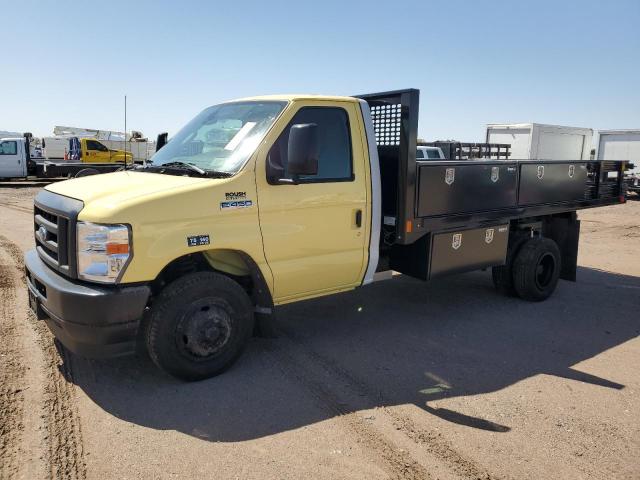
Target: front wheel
536,269
199,325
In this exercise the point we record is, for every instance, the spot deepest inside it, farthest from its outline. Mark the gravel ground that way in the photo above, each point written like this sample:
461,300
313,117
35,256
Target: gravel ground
400,379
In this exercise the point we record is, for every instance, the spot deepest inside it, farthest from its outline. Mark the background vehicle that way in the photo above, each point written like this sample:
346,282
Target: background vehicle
16,161
622,144
135,143
543,142
13,158
87,150
453,150
429,153
341,197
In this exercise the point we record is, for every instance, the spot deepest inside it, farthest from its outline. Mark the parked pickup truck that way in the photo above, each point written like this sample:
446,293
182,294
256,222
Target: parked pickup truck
269,200
17,162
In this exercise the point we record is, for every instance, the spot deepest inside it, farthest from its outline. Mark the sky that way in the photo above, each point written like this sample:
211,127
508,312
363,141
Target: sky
573,63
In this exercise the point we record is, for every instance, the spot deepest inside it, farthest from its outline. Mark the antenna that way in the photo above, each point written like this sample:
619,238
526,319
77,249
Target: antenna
125,132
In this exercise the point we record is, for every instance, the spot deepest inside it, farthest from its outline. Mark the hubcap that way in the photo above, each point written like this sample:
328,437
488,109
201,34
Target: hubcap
545,270
204,329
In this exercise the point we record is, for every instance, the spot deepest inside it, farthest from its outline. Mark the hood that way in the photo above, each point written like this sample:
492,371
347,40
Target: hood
119,188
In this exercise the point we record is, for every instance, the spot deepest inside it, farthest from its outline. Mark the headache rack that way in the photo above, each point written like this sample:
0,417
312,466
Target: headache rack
422,197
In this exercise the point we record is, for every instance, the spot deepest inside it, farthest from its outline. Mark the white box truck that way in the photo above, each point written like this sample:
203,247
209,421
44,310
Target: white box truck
542,142
623,145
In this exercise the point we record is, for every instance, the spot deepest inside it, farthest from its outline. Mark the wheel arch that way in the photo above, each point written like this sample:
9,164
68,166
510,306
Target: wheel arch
235,264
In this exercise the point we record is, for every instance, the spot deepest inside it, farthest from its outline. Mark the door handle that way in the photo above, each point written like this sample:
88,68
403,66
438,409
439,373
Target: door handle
358,218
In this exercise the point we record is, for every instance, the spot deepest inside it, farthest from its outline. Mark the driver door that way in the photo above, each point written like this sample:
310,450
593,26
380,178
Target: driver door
315,233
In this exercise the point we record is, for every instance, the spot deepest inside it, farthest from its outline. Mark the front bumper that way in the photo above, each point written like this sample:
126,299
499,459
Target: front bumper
90,320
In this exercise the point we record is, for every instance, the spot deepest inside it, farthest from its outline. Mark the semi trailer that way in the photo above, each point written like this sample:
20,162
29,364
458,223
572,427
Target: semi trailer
265,201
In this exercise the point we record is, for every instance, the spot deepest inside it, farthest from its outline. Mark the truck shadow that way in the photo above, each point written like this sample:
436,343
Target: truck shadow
391,343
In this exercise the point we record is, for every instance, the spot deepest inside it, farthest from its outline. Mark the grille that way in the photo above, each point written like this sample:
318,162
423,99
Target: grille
51,235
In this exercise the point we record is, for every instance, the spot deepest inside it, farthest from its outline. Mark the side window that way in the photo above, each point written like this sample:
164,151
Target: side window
419,154
93,145
433,154
334,140
9,148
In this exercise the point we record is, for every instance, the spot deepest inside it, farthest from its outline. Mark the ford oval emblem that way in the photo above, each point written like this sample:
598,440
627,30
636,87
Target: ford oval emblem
42,234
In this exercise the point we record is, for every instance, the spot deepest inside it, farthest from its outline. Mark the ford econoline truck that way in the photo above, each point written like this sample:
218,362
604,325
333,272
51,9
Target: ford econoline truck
269,200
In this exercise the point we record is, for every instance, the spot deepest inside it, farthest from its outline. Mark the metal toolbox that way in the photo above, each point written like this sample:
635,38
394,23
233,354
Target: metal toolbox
466,250
454,188
550,182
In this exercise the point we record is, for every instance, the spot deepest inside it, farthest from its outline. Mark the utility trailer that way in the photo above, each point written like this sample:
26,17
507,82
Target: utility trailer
444,217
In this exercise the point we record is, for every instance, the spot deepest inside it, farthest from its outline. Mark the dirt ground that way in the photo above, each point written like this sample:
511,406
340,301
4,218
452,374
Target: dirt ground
400,379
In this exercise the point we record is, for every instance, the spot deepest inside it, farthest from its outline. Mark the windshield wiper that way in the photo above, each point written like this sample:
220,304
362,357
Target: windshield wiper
188,166
177,165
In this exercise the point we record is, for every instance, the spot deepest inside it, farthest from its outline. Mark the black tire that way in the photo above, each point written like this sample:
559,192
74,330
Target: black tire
199,325
502,276
536,269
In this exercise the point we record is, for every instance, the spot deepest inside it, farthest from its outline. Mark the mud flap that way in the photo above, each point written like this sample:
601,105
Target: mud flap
565,231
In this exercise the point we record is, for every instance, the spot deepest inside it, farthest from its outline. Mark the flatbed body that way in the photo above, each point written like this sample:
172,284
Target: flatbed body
426,201
48,169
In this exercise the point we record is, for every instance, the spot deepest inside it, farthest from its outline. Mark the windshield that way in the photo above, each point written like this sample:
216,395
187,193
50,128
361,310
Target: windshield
221,138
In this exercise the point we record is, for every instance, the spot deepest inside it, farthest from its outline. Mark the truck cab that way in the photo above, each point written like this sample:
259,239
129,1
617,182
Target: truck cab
264,201
13,158
94,151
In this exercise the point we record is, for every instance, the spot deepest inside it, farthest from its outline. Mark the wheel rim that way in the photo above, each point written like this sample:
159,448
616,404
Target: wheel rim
545,269
204,329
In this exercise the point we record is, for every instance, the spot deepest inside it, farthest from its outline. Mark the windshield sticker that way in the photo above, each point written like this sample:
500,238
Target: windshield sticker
198,240
238,137
237,204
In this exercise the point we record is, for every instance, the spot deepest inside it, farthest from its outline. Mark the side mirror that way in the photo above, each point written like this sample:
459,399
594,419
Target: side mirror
303,149
162,140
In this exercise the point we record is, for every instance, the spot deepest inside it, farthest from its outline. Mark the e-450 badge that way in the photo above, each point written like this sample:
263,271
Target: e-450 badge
236,204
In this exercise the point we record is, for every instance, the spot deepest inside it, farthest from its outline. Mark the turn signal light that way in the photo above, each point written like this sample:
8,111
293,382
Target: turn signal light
117,248
409,226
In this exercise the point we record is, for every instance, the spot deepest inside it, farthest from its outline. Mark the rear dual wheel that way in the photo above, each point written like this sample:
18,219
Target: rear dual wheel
532,270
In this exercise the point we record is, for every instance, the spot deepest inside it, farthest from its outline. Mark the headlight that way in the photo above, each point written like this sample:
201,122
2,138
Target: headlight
103,251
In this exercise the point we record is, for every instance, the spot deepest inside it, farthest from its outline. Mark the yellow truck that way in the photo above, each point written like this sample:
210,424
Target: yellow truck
90,150
264,201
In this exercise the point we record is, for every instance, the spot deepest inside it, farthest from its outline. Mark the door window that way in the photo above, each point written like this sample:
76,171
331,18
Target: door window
433,154
9,148
93,145
334,139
